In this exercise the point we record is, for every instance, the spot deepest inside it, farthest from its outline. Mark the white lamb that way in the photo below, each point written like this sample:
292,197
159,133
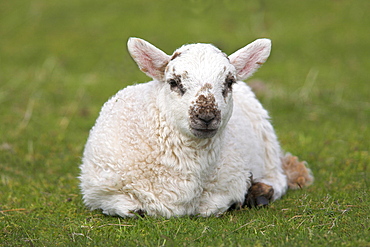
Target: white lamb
194,141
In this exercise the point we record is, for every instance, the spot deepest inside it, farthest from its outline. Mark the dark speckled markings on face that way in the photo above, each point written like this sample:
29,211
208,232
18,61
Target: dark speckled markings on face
175,55
185,75
229,81
176,84
205,117
205,87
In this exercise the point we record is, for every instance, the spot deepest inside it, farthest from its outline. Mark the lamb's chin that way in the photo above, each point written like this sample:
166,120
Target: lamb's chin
204,133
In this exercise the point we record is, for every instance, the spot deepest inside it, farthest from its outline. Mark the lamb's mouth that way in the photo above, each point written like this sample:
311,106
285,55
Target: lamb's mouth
204,133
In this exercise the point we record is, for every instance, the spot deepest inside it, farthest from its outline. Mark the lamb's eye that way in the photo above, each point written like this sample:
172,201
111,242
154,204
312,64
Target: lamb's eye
177,86
229,82
173,83
228,85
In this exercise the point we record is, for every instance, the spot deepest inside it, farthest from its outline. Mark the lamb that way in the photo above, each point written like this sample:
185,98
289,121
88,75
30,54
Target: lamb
193,141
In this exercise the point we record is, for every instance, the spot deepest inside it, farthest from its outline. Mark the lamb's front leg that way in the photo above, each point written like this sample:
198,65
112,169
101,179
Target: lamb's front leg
214,205
259,195
223,194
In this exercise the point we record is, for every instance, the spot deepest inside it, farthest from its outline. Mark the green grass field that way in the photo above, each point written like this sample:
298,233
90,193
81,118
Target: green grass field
61,60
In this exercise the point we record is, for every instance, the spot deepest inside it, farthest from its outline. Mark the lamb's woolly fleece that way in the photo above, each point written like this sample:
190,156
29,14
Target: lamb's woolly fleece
137,160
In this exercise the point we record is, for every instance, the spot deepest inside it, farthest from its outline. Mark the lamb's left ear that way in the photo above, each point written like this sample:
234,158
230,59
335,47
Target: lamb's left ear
151,60
249,58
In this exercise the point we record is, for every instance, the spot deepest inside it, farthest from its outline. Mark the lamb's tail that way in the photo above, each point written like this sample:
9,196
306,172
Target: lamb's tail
297,172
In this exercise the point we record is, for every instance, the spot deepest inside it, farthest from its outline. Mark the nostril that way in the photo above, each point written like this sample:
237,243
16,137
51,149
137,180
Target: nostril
207,119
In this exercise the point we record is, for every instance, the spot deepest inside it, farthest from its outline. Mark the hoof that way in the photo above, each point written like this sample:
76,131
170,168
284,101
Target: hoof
139,213
261,201
259,195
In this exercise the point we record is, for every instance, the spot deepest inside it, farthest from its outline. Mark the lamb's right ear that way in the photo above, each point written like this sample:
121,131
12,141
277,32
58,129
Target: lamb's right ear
151,60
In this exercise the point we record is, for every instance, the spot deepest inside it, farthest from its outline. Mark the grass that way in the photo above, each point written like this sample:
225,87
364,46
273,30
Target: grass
61,60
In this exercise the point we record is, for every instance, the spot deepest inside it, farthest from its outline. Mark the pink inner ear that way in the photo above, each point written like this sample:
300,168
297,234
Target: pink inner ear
145,63
249,58
254,61
151,60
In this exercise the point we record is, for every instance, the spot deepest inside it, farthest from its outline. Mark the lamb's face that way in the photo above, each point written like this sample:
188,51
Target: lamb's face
198,90
197,81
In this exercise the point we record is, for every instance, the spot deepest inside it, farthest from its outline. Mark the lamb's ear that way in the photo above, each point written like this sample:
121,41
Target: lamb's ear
151,60
249,58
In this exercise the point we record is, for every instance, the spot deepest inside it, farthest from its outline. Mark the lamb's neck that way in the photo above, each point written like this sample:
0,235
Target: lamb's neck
193,155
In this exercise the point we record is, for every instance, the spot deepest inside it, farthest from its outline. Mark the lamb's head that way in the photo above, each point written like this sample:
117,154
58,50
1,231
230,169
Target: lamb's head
197,81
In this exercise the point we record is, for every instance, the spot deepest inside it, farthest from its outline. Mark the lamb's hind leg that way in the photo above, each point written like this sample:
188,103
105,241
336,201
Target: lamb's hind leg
297,172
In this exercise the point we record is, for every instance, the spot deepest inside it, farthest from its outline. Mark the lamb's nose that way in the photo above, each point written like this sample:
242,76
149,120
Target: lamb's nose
207,118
